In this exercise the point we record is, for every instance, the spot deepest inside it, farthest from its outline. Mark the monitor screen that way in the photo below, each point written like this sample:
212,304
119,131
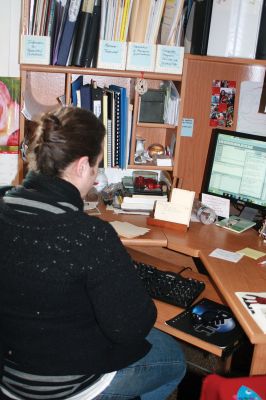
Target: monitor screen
236,168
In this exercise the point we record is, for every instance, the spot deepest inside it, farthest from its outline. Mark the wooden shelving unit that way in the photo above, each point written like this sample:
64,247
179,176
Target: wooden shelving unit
154,133
195,91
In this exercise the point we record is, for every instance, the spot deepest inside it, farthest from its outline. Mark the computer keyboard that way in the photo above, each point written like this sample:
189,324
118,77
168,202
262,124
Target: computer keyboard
169,287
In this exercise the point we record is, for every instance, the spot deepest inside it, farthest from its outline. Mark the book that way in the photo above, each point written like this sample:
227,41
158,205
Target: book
110,127
75,86
129,133
93,39
189,28
161,196
83,32
154,22
133,21
68,32
142,199
247,29
117,129
105,122
235,224
125,20
201,27
110,11
61,17
170,22
123,107
85,97
255,304
97,100
223,28
211,322
137,206
261,44
234,40
140,12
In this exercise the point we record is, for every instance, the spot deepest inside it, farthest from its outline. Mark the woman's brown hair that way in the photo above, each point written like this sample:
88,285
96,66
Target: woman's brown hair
62,137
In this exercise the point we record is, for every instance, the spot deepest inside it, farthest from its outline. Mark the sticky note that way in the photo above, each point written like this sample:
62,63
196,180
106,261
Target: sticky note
255,254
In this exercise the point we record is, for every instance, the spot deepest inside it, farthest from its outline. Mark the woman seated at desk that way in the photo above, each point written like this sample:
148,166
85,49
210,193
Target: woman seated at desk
75,320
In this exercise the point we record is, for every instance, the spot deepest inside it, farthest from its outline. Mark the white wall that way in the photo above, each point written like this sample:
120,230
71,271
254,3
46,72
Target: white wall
9,34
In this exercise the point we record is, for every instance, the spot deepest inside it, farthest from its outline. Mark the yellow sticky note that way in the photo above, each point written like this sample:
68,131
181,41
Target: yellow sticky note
255,254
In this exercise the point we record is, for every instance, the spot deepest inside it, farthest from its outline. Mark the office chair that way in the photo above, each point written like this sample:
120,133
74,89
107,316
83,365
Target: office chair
215,387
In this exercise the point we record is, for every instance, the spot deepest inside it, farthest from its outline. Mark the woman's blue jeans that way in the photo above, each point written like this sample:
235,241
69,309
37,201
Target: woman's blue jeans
153,377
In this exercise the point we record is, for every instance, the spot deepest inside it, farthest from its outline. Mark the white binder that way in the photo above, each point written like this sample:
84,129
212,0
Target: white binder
248,28
223,27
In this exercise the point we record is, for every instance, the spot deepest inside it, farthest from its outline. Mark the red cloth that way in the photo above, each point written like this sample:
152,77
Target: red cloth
215,387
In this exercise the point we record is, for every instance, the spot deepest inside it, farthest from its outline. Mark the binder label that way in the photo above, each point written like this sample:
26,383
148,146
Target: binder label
35,49
169,59
141,57
112,55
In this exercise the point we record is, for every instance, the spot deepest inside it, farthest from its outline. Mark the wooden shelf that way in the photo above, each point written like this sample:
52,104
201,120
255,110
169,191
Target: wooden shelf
227,60
153,125
149,166
55,69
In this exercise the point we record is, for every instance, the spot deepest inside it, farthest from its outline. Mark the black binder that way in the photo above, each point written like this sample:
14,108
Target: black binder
201,27
92,43
261,44
83,33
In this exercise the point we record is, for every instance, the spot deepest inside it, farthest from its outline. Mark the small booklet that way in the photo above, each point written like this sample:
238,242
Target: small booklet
236,224
212,322
255,303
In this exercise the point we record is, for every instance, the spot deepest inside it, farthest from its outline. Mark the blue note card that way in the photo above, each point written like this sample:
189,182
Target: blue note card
187,127
35,49
141,57
169,59
112,54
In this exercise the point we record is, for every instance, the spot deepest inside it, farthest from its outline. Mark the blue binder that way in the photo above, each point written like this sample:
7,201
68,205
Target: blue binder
68,32
123,123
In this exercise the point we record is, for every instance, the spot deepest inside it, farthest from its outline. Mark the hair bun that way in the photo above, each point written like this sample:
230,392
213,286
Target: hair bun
49,125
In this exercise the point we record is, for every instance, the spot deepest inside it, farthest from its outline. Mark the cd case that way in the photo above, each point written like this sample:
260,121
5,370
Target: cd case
212,322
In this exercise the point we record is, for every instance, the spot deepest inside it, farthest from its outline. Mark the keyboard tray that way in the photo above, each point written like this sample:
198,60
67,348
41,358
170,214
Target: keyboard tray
169,287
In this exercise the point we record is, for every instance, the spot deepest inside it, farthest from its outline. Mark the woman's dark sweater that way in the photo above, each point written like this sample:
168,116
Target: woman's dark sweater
70,299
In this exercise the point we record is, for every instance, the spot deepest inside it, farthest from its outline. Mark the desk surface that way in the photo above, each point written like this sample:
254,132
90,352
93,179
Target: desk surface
167,311
245,275
227,277
155,237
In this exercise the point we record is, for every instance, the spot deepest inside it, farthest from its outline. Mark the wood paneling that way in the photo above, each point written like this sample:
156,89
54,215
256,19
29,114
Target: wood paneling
198,74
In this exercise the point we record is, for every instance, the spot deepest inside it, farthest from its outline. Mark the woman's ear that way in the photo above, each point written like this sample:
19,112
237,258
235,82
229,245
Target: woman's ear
82,166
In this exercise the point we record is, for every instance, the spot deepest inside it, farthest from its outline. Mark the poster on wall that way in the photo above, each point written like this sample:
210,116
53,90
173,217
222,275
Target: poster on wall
222,103
9,128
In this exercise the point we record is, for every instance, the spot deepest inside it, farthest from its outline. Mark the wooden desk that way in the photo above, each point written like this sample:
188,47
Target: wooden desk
155,237
227,277
167,311
245,275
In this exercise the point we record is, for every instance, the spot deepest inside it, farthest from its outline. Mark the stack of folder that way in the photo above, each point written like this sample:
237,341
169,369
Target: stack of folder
112,106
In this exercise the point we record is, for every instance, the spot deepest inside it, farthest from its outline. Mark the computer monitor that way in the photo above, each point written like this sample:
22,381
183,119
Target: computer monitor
236,168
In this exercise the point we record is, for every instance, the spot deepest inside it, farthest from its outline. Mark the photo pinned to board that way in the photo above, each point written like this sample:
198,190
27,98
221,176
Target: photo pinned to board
222,103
